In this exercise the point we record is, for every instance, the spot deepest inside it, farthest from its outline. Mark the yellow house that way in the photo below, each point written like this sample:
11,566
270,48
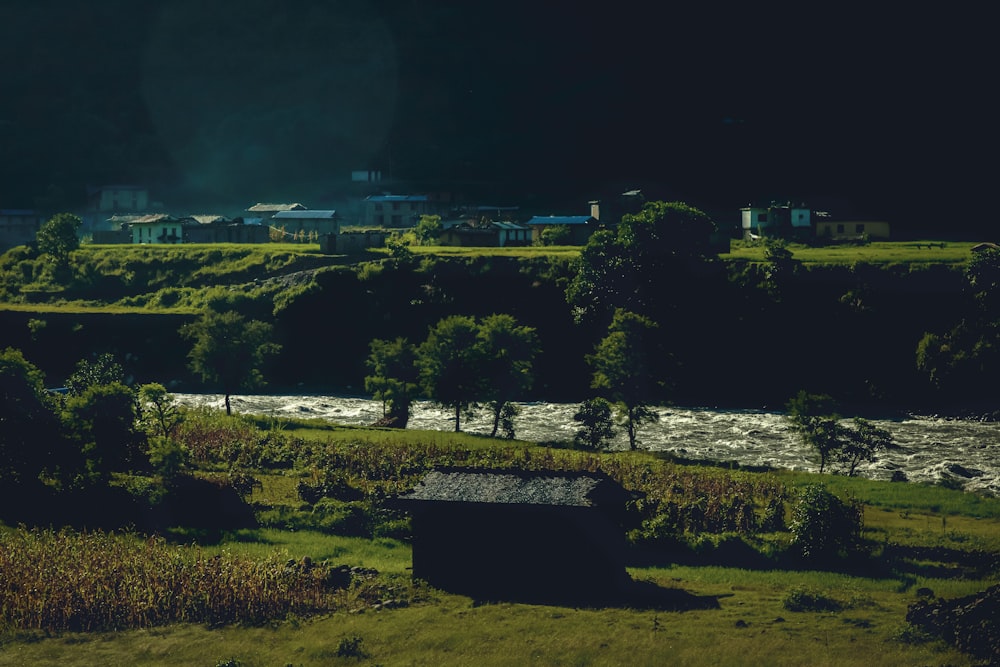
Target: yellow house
842,231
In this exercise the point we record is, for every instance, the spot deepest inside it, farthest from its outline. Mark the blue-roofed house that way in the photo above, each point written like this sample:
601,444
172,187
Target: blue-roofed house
578,227
308,222
387,210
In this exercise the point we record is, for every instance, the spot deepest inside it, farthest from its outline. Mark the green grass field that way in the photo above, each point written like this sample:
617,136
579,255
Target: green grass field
711,614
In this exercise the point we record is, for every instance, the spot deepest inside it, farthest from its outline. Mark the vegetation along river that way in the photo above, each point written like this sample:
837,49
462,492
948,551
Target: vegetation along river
965,453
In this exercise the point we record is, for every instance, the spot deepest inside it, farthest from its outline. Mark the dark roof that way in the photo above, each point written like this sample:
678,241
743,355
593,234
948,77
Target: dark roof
560,220
266,208
384,198
305,215
517,487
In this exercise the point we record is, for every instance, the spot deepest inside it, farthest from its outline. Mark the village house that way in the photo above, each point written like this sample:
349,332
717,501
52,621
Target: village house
117,198
18,227
518,534
795,220
852,230
387,210
486,233
106,202
261,213
220,229
578,227
309,222
157,228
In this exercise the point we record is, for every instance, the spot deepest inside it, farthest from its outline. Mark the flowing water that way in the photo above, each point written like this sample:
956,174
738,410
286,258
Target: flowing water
929,449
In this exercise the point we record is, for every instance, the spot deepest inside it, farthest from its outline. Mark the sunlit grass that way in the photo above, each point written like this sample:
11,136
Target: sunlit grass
877,252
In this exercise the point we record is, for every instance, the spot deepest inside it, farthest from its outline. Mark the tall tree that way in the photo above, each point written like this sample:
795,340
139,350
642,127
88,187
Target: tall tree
57,237
394,378
508,351
638,266
622,368
229,350
450,363
28,424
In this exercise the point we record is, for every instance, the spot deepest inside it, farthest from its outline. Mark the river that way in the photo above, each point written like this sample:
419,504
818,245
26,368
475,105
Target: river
929,449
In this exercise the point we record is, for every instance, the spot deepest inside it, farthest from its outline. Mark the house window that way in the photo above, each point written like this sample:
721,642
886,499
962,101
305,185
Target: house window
397,220
379,219
762,217
840,229
395,206
859,228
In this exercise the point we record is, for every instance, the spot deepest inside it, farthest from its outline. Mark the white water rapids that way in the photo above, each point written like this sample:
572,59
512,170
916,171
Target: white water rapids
929,449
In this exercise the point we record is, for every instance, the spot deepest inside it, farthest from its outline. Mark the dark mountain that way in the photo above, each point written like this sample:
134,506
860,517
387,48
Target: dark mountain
873,113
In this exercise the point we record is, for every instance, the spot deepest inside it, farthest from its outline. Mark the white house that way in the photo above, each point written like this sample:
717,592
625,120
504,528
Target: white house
157,228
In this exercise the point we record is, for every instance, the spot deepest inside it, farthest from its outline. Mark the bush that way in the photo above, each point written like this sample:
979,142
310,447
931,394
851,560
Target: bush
825,527
799,599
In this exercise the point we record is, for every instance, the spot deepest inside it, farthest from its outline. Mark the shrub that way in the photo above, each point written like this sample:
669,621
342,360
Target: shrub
799,599
823,526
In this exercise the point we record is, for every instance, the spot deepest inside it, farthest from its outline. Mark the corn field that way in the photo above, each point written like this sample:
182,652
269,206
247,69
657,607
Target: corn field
680,499
67,581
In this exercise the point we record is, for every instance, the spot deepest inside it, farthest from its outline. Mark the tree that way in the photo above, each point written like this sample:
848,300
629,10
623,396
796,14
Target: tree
815,419
29,429
428,229
57,237
596,427
101,420
639,266
863,442
507,351
450,364
229,350
394,378
159,409
102,369
622,367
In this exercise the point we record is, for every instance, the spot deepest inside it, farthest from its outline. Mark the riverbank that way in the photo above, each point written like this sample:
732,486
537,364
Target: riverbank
933,450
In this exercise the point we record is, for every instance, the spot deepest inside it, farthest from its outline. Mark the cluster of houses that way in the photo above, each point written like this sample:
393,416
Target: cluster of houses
799,221
126,214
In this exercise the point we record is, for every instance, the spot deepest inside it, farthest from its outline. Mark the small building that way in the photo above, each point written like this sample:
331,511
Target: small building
18,227
157,228
487,233
117,198
519,534
579,227
853,230
260,213
387,210
786,219
220,229
295,223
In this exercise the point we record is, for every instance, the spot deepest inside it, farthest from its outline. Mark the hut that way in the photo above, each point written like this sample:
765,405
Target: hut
535,535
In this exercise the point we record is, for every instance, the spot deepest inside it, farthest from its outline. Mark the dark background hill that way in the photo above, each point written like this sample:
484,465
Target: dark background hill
870,113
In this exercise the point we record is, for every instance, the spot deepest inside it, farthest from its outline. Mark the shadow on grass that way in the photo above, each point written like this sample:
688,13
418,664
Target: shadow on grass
640,595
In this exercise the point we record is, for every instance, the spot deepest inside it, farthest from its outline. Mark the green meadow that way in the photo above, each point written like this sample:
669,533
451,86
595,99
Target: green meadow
723,597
